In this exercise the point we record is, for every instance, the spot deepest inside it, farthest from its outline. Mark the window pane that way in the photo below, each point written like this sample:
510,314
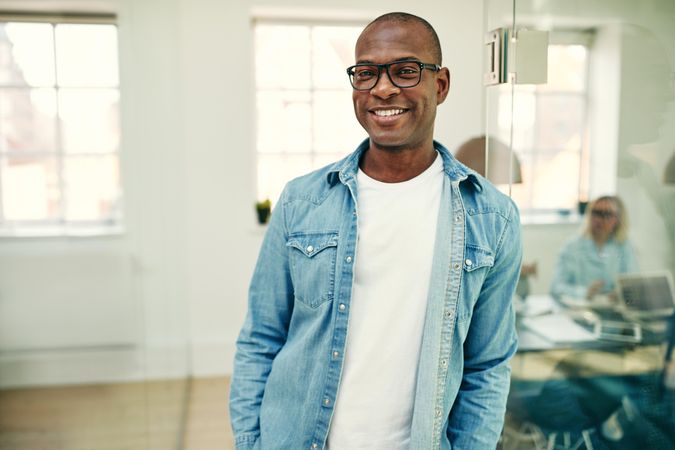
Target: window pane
27,119
274,171
559,121
553,179
335,127
523,117
26,54
282,57
91,188
566,68
284,121
30,188
89,120
86,55
332,53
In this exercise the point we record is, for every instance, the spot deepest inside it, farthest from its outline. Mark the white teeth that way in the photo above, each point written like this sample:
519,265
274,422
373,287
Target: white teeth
388,112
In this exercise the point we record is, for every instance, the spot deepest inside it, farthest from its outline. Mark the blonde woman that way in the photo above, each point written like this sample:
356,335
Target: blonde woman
589,263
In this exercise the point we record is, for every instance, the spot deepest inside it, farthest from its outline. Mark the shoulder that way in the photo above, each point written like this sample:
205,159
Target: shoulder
312,187
482,197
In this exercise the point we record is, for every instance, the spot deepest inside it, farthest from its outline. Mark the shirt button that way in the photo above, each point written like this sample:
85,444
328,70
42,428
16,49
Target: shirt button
469,262
448,314
456,266
314,445
342,307
310,249
444,362
326,402
336,354
457,218
438,413
348,259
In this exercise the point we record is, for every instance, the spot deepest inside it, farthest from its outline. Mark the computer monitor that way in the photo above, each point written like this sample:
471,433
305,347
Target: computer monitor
646,295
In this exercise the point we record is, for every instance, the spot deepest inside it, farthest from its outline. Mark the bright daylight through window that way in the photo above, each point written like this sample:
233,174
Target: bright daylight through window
305,118
550,135
59,128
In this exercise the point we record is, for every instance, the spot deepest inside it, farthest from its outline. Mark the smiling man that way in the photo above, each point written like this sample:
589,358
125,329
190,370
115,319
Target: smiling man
380,307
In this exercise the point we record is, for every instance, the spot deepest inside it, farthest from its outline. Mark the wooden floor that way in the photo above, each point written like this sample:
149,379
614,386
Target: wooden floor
152,415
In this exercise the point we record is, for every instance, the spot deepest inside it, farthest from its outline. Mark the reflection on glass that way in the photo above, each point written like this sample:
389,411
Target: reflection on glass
86,55
89,120
27,119
282,58
560,123
568,68
91,187
30,188
27,52
284,121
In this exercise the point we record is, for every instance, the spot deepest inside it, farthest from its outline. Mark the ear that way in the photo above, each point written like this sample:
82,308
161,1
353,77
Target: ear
442,85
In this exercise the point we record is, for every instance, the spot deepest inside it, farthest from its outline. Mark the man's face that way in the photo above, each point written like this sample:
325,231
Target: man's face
395,117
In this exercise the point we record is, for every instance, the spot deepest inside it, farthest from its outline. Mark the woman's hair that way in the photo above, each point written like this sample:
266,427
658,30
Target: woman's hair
620,233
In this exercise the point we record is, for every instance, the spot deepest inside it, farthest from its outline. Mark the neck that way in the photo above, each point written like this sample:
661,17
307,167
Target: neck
600,240
395,165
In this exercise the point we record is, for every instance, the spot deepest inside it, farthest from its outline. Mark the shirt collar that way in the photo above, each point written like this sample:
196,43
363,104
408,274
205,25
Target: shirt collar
345,170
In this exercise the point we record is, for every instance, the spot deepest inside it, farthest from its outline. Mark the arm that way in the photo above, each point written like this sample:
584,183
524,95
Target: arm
477,416
263,333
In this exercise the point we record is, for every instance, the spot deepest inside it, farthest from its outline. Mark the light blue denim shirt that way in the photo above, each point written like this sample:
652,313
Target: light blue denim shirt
289,352
580,263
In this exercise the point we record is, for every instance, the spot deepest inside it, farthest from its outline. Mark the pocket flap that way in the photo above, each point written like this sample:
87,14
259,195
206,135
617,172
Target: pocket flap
312,243
476,257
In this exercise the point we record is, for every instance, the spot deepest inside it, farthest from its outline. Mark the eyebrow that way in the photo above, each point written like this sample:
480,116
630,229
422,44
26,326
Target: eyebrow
405,58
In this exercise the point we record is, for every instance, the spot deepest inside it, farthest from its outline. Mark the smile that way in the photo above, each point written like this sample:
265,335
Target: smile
388,112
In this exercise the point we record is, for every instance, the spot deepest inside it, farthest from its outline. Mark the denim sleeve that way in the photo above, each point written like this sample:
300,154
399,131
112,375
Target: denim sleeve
477,416
564,283
264,332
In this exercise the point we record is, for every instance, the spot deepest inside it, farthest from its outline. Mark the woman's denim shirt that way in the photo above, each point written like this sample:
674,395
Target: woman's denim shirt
289,352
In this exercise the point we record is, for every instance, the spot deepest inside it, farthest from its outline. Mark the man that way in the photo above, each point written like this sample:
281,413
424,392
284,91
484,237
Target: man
380,307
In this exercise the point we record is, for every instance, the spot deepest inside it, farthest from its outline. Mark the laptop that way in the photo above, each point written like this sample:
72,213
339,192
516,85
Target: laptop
646,295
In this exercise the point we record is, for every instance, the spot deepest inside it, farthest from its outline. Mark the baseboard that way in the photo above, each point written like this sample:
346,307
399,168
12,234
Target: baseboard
103,364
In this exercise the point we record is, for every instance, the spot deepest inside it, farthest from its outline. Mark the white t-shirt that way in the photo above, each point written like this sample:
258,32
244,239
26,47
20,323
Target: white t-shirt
397,230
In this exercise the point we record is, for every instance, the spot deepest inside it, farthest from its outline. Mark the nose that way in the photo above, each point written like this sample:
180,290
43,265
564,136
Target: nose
384,88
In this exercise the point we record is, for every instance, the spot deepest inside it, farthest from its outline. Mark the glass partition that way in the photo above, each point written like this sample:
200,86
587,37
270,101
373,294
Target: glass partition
595,145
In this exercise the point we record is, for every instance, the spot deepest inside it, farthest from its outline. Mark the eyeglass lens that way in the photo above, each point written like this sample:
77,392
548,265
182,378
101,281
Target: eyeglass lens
401,74
604,214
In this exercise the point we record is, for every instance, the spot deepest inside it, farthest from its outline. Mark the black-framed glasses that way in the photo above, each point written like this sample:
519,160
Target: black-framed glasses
603,213
405,73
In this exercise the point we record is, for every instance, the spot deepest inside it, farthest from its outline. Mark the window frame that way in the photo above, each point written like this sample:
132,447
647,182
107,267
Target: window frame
60,226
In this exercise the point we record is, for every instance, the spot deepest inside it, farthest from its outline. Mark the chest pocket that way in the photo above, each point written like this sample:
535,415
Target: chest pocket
312,257
476,257
477,262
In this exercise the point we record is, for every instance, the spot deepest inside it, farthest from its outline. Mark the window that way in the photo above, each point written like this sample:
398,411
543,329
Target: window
305,118
59,128
550,132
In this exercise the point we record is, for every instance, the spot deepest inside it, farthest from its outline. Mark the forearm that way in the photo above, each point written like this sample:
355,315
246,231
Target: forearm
270,306
477,415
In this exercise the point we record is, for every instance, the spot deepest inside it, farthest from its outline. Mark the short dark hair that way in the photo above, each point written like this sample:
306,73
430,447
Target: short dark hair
402,17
